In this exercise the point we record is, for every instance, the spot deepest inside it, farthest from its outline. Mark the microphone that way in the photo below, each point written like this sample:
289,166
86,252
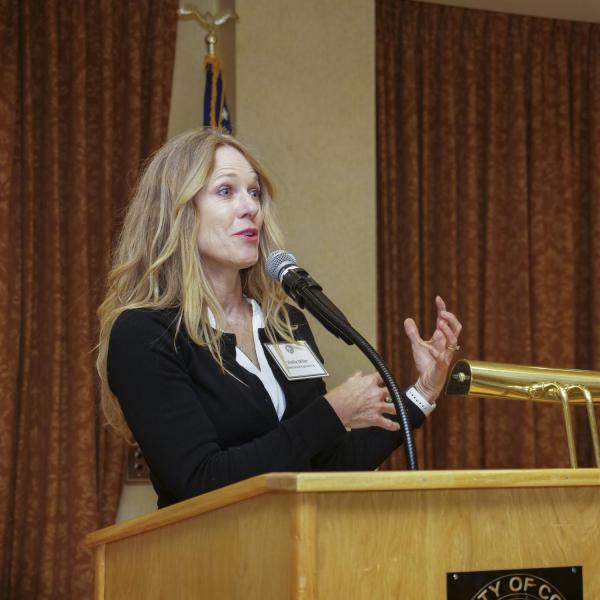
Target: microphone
278,266
306,292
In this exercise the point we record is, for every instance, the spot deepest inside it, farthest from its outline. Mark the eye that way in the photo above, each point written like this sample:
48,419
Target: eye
255,193
224,191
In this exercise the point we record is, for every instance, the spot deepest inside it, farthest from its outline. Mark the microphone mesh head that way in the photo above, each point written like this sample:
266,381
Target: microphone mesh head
277,261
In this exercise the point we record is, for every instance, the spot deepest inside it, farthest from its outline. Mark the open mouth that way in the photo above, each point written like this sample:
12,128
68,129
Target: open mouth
249,234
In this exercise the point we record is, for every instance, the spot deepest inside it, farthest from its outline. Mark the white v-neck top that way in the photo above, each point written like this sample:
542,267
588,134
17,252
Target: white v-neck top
264,373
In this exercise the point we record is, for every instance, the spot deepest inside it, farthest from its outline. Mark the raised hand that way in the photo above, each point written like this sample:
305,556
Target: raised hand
433,357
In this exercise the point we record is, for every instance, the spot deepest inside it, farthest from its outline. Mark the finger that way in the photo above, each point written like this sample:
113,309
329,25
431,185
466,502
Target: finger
439,345
385,423
451,338
438,339
356,375
381,395
451,319
440,304
387,408
412,332
377,380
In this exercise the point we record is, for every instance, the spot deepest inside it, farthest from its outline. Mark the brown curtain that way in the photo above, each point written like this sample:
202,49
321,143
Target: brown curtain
84,97
489,183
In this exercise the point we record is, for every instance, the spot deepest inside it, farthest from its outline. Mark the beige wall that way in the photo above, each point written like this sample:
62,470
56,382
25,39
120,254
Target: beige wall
306,103
303,73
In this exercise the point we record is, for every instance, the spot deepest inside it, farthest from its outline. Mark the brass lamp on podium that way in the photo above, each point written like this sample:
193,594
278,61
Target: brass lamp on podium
538,384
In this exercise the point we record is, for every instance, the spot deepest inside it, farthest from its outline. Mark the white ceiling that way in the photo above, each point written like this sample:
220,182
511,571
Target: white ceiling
572,10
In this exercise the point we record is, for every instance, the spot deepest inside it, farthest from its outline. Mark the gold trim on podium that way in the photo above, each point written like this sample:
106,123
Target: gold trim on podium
538,384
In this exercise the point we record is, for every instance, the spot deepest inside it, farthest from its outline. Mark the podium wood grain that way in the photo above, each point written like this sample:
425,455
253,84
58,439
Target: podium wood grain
354,535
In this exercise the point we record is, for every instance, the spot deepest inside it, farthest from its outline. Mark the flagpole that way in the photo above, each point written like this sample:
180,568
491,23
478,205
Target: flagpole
216,112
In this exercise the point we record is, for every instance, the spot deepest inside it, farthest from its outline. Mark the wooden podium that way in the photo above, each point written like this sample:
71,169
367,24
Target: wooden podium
354,535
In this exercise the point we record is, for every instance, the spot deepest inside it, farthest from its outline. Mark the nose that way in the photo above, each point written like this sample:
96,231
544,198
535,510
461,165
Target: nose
249,205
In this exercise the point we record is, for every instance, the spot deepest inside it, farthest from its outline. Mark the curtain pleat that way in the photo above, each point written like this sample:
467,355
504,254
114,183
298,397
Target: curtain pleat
488,188
84,98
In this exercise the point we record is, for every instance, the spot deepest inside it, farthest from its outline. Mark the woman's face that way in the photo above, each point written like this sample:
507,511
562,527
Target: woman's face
230,213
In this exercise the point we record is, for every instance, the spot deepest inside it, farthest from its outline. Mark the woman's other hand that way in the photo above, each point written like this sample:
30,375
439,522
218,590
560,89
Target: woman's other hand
360,402
434,356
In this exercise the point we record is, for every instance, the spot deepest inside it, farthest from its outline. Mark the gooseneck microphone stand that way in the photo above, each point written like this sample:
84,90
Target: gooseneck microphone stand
308,294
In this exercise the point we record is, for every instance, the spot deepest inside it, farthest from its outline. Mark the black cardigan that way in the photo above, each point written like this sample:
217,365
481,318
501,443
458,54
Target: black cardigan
200,428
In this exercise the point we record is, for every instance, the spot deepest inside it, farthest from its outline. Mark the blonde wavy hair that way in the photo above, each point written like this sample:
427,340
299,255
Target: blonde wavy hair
157,264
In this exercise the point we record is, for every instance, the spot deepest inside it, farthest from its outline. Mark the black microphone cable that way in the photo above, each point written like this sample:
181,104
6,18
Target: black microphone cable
398,397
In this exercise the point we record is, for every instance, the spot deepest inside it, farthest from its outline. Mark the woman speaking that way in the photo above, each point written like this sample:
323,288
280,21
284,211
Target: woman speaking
190,328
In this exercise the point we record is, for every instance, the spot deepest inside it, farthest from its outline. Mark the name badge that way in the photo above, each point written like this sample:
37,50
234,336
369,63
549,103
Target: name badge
297,360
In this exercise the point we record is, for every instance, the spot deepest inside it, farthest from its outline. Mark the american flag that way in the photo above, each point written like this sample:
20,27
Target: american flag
216,113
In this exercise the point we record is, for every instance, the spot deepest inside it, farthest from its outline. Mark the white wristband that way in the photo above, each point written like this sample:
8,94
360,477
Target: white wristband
417,398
